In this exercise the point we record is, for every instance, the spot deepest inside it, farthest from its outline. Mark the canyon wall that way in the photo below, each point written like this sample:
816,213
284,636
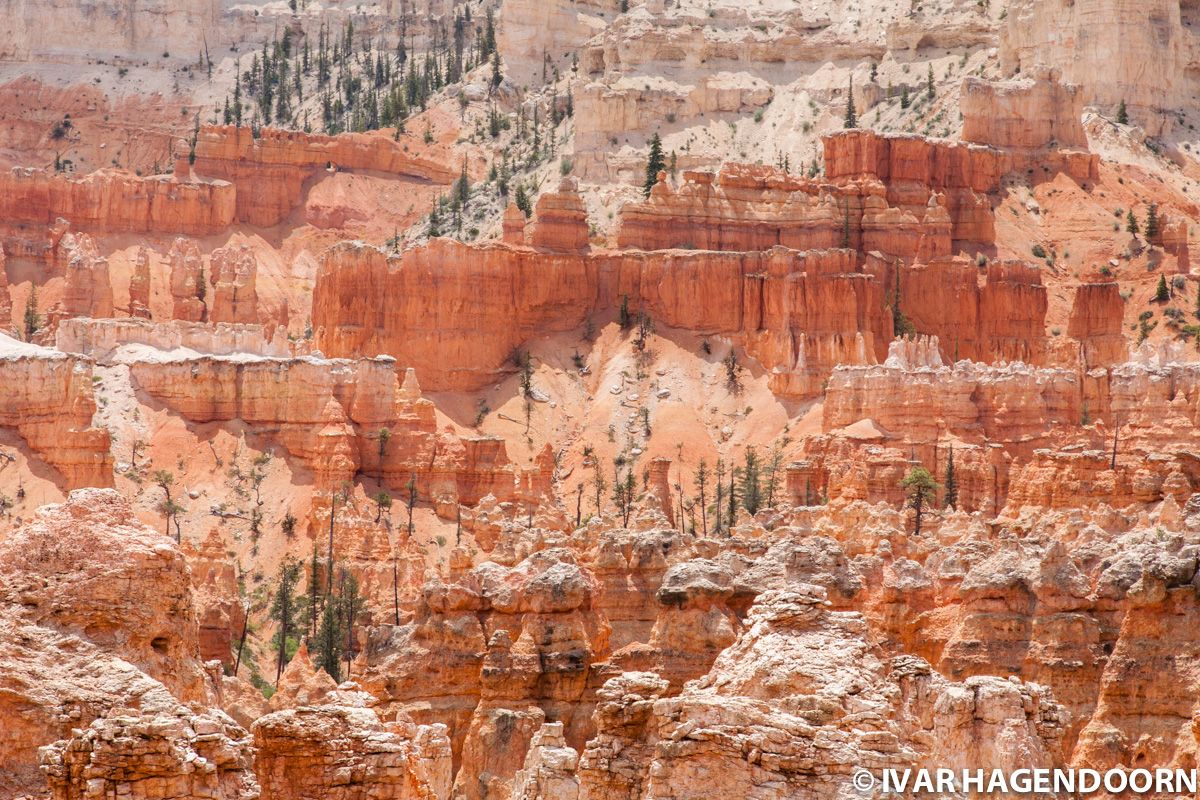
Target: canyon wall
1144,54
112,201
456,312
1035,111
269,170
330,415
100,651
47,397
131,28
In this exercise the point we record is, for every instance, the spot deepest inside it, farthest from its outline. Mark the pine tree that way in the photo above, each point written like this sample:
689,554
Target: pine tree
921,489
329,642
1162,294
497,77
751,482
904,101
285,610
951,482
1152,222
701,480
774,470
463,186
851,120
655,164
718,504
435,219
735,475
522,200
1122,114
1131,223
32,322
929,83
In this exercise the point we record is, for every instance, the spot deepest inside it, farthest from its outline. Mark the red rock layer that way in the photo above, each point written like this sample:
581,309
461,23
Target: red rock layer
756,208
188,284
269,170
1031,112
330,416
5,298
455,312
47,397
233,273
112,201
139,286
560,220
1096,316
993,314
88,290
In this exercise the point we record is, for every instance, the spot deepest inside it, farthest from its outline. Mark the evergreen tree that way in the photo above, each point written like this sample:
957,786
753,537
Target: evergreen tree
1162,294
285,610
929,83
921,490
735,475
904,101
901,326
351,605
489,34
951,482
1152,222
329,642
334,636
774,471
1122,114
851,120
655,164
31,321
623,316
462,188
522,201
237,101
751,482
435,219
701,480
718,504
497,77
1131,223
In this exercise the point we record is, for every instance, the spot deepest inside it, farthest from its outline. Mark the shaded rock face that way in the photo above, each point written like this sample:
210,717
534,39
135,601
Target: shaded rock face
100,652
48,398
330,416
267,172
